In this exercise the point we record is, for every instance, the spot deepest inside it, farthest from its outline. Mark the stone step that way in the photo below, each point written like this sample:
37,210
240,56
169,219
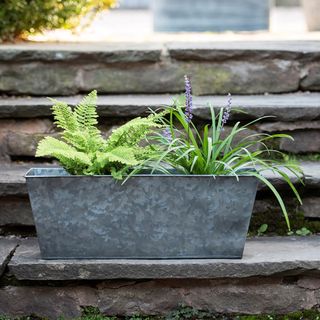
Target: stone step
283,107
25,121
15,208
7,248
262,257
276,276
243,67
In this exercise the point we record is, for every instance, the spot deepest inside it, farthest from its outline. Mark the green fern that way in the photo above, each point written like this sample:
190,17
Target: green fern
131,133
73,160
83,150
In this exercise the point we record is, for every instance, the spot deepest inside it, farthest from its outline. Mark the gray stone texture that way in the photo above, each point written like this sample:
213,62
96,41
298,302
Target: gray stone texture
45,301
304,142
12,130
272,127
298,114
311,207
216,68
286,108
25,144
20,137
7,247
157,297
311,174
219,296
277,275
15,211
12,180
262,257
68,52
277,180
311,283
312,80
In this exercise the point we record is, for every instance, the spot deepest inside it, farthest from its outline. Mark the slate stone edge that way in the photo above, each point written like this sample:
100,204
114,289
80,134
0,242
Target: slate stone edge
8,259
27,265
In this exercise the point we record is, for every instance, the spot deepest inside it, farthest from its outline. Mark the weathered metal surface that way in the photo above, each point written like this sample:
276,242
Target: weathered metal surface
150,216
211,15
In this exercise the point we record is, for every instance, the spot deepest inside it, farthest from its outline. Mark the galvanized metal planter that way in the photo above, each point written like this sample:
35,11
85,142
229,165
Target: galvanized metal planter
148,217
211,15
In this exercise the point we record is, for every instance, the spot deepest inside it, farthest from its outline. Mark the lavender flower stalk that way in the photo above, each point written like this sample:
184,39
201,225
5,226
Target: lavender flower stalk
189,105
226,114
167,134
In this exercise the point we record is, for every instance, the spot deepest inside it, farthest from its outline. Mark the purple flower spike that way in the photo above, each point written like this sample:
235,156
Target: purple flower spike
189,105
167,134
226,114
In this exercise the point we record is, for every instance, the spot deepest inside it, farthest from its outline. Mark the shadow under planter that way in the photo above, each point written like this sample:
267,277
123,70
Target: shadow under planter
147,217
211,15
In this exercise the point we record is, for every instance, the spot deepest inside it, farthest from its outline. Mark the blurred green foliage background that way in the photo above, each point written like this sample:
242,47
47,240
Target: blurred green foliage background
18,18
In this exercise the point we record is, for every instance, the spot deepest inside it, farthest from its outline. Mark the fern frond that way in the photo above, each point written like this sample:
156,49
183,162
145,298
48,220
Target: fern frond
65,153
84,150
63,116
123,155
147,152
86,113
118,174
131,133
79,125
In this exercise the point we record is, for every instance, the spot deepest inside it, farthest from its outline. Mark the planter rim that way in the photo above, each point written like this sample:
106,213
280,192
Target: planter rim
30,174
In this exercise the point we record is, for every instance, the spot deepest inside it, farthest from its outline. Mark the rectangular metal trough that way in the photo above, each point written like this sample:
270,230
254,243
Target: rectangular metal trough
147,217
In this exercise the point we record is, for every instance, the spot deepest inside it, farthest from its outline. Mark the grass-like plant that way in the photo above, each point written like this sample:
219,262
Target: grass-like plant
212,151
82,149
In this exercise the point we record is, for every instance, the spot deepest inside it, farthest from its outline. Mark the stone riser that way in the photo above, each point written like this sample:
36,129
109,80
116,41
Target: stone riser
24,121
219,68
273,295
19,138
276,275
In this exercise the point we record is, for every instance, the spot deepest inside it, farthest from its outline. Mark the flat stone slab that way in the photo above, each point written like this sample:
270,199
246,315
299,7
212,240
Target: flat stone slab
262,257
177,50
12,181
7,247
226,50
312,173
100,52
311,207
283,107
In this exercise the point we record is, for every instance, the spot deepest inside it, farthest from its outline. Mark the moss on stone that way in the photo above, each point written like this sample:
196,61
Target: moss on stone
187,313
209,79
270,213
